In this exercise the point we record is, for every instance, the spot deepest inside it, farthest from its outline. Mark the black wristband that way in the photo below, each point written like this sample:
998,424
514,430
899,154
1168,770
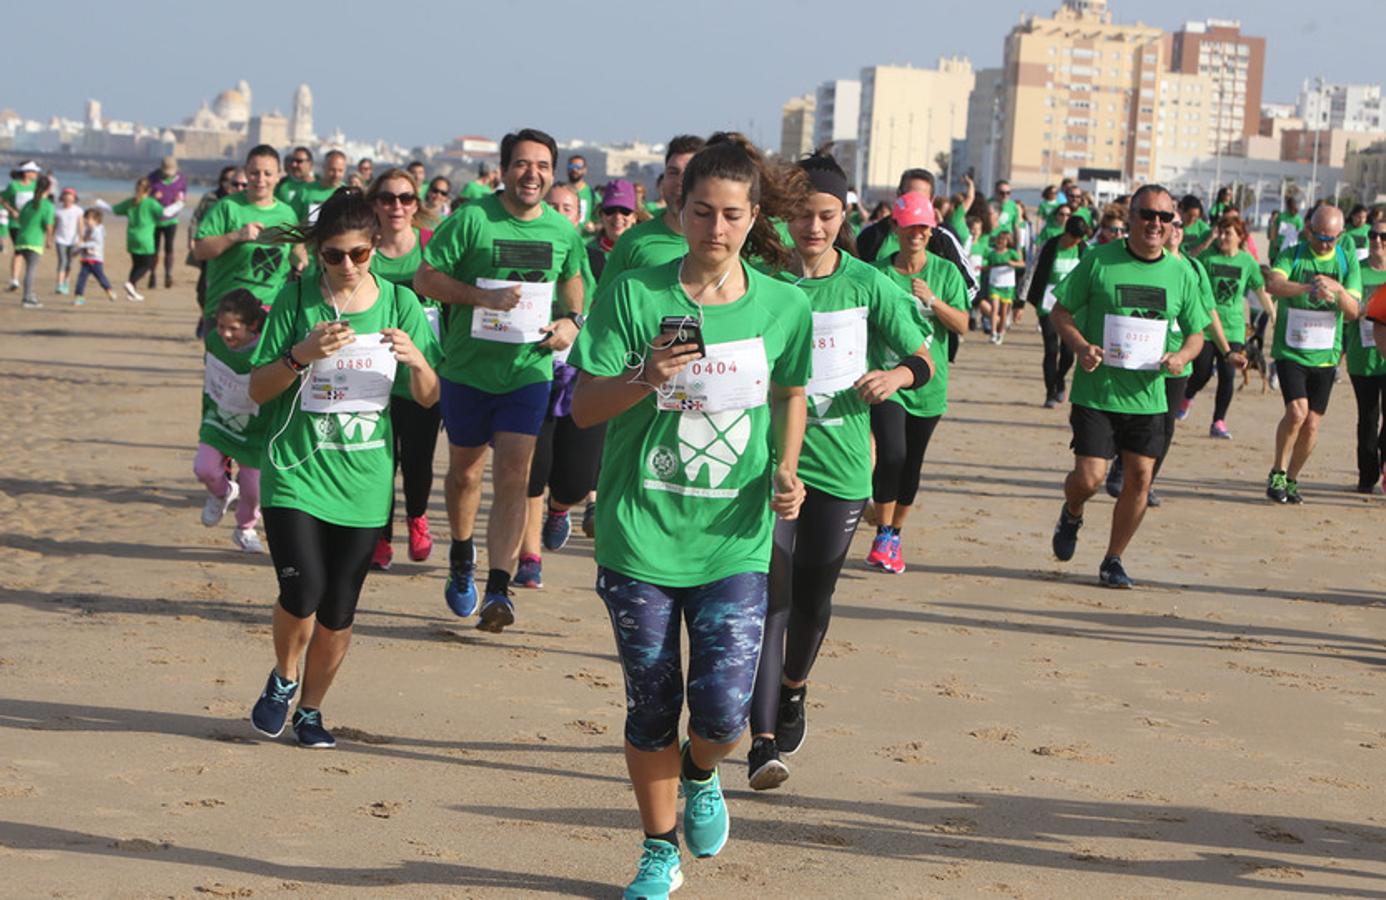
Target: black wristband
919,369
294,365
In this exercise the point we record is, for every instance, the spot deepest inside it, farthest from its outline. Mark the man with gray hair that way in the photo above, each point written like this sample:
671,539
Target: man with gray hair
1316,282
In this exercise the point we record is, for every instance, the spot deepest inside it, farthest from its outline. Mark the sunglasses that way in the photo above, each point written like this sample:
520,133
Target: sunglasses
299,160
616,211
239,184
437,192
1325,238
1376,235
385,198
333,257
1150,215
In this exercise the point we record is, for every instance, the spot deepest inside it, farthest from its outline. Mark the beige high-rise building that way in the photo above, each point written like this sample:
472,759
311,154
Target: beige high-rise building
796,127
1235,63
1185,122
1080,91
908,117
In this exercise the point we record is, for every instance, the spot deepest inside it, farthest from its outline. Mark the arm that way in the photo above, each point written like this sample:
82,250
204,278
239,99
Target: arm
423,381
273,378
880,385
598,399
955,320
1379,336
562,332
1039,278
788,417
1192,346
429,282
214,245
1089,355
1279,285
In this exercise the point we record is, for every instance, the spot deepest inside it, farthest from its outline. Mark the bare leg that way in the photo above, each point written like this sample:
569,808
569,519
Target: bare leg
898,514
1304,445
532,545
1287,432
655,776
1138,473
510,477
462,488
1087,475
291,636
325,654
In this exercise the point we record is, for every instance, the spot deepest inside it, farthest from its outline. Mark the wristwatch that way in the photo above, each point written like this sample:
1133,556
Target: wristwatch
577,319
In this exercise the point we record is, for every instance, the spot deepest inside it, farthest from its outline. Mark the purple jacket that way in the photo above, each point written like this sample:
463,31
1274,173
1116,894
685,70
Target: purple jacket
167,192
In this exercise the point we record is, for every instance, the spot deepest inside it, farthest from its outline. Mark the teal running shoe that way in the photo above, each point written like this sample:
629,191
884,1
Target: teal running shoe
658,875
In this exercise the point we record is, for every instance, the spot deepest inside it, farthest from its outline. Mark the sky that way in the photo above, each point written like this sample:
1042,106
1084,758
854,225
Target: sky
622,70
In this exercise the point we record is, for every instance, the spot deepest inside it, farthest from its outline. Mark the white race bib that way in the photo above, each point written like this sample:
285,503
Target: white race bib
357,378
434,315
228,390
1063,266
1132,343
1002,277
1363,253
1364,327
839,350
1050,298
521,324
561,356
1289,232
313,213
733,375
1311,329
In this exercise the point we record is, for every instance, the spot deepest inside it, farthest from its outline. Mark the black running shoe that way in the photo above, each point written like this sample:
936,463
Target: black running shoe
1066,534
763,765
1276,483
791,726
1112,575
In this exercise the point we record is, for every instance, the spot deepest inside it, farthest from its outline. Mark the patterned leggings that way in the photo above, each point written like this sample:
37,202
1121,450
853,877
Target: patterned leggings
726,622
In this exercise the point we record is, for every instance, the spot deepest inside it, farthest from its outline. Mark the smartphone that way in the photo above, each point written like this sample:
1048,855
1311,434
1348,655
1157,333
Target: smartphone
685,330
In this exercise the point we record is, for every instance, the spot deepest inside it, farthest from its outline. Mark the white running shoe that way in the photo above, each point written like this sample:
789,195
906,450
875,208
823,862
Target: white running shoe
131,294
247,540
216,507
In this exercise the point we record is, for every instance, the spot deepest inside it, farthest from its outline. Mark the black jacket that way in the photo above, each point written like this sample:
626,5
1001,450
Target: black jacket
943,244
1044,265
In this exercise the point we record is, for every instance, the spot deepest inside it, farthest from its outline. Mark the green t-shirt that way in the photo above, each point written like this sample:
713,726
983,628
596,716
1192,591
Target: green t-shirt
1360,237
996,259
1047,208
144,219
650,243
1232,277
482,240
1110,280
1285,230
475,190
1299,264
1174,337
309,196
261,269
337,467
18,194
237,434
957,223
400,270
1194,235
686,495
889,247
35,218
1085,213
288,190
1364,359
1065,261
1007,218
948,286
587,203
836,458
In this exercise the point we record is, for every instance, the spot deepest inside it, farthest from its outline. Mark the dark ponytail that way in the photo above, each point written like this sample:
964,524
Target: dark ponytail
346,210
778,189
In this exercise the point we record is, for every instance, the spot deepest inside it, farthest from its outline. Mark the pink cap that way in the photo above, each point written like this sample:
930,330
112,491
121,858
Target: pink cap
914,208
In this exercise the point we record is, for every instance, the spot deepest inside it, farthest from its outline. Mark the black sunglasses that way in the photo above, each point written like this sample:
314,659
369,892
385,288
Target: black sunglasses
437,191
616,210
385,198
333,257
1150,215
1376,236
299,159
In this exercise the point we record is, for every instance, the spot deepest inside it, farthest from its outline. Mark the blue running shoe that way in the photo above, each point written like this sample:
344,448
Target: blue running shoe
497,611
530,573
310,731
706,824
658,874
460,591
1066,534
1112,573
557,528
272,709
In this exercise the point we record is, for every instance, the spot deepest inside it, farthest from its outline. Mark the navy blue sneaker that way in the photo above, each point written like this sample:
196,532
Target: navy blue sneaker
460,590
310,731
557,528
272,708
1112,574
497,611
1066,534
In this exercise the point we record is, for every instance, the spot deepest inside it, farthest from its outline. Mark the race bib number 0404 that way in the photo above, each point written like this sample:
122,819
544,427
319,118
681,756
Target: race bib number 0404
733,375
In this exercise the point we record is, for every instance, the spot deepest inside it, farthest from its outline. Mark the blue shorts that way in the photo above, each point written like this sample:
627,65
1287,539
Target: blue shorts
473,417
726,624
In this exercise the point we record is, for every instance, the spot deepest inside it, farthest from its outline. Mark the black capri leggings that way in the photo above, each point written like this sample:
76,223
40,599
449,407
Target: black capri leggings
416,437
566,460
1174,392
141,264
165,235
320,566
1370,391
1058,359
1210,358
804,565
901,442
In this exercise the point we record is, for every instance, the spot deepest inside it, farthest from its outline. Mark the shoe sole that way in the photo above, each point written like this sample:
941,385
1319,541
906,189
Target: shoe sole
1108,584
769,776
496,618
268,734
787,751
318,746
423,557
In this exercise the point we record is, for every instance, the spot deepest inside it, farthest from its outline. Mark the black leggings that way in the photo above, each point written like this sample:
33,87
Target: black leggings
141,264
416,437
1058,359
1371,436
901,442
566,459
320,566
804,565
1174,393
1210,358
164,234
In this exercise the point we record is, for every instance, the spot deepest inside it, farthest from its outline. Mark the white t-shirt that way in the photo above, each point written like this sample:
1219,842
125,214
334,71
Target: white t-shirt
67,224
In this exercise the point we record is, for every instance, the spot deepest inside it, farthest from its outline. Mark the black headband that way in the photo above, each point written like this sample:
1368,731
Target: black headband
826,181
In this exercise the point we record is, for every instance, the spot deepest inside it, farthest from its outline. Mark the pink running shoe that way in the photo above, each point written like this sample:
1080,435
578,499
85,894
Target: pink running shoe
382,556
420,538
880,550
895,563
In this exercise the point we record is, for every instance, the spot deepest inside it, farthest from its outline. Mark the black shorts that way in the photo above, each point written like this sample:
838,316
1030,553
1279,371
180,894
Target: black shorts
1101,434
1312,383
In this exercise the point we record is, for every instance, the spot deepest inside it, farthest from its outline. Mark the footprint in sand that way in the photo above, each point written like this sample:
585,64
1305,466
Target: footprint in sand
1268,831
1079,752
910,753
591,679
584,726
999,734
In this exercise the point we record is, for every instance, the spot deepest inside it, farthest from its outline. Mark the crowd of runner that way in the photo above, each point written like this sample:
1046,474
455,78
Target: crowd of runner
722,381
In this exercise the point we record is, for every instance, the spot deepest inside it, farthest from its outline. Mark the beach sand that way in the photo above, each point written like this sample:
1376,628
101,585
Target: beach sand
991,723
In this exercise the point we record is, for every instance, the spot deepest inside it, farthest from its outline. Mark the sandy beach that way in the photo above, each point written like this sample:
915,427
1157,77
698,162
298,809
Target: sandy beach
990,723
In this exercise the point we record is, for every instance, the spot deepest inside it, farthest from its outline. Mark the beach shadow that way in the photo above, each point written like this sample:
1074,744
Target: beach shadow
142,336
174,498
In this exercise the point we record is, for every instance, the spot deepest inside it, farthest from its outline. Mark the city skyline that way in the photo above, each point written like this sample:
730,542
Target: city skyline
721,76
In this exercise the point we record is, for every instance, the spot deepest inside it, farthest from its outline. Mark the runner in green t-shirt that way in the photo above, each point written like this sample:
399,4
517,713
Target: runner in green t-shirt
33,234
1114,311
311,195
500,264
1367,369
1003,264
13,198
228,237
588,219
323,373
1057,258
699,366
299,163
144,214
905,423
232,428
1357,230
659,239
1232,271
1317,283
1220,204
403,233
1198,234
853,305
1286,228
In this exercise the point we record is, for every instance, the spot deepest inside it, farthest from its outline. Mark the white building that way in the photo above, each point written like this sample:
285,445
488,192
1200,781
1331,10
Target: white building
1351,107
837,111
